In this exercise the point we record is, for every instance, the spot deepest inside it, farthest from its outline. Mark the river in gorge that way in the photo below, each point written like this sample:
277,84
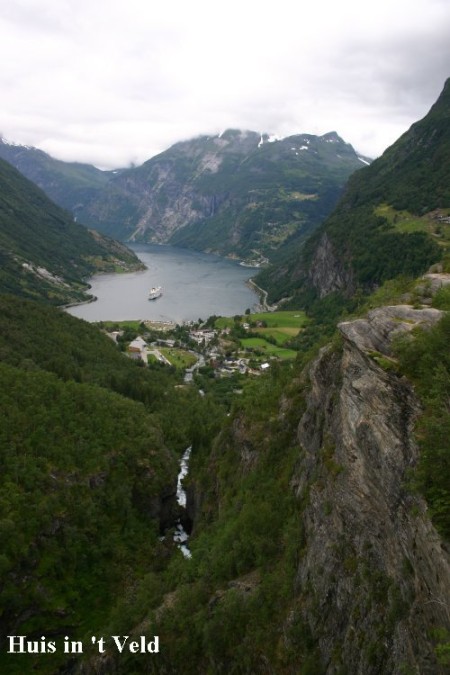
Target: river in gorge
195,285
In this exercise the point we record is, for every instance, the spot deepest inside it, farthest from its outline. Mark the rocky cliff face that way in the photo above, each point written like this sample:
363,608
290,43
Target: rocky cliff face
374,578
327,272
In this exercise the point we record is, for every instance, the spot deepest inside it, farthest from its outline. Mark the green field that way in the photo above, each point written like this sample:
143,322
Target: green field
406,222
267,348
290,319
294,319
281,326
280,335
178,357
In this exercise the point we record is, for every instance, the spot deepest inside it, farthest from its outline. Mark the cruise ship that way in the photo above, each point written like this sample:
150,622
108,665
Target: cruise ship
155,292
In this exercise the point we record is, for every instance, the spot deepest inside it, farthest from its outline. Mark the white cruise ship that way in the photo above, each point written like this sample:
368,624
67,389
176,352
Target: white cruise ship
155,292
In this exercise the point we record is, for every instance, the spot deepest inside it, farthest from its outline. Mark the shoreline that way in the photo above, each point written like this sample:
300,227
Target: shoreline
262,297
93,298
182,317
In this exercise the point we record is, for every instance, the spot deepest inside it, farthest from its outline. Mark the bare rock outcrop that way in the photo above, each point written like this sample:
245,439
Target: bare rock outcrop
377,330
327,272
374,576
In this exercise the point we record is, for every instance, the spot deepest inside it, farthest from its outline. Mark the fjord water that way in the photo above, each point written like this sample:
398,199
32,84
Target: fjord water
194,285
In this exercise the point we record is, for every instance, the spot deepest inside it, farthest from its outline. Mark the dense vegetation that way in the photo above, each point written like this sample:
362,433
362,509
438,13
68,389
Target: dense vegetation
90,439
44,254
425,358
218,611
377,252
93,467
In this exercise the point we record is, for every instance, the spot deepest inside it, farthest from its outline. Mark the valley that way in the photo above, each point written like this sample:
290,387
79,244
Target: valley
226,347
237,194
304,451
194,285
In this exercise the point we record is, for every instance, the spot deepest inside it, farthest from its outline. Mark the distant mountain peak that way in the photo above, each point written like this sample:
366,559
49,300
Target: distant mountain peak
12,144
229,134
332,137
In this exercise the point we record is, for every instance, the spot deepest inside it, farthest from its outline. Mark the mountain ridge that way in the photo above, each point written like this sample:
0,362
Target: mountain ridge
65,183
240,193
390,220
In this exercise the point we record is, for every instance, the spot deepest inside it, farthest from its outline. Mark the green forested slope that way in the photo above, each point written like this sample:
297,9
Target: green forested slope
44,254
81,472
391,220
35,336
66,183
414,172
88,455
222,611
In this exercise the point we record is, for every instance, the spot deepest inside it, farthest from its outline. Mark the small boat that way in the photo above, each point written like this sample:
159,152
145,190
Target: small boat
155,292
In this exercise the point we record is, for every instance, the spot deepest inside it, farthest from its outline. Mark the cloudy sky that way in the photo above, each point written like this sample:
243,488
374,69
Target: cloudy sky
114,82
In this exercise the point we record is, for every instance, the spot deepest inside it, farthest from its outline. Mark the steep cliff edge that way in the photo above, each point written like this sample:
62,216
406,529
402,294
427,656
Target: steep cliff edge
374,575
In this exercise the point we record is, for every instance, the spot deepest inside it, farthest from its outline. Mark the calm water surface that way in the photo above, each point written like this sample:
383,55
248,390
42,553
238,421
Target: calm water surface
194,285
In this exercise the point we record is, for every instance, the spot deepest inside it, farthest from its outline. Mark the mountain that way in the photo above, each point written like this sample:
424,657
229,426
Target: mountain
240,193
44,253
393,219
235,194
69,184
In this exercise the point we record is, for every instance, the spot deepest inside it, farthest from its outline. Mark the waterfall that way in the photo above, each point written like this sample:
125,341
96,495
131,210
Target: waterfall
181,536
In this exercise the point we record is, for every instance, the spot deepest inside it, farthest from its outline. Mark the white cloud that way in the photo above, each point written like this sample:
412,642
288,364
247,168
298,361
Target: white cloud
110,82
